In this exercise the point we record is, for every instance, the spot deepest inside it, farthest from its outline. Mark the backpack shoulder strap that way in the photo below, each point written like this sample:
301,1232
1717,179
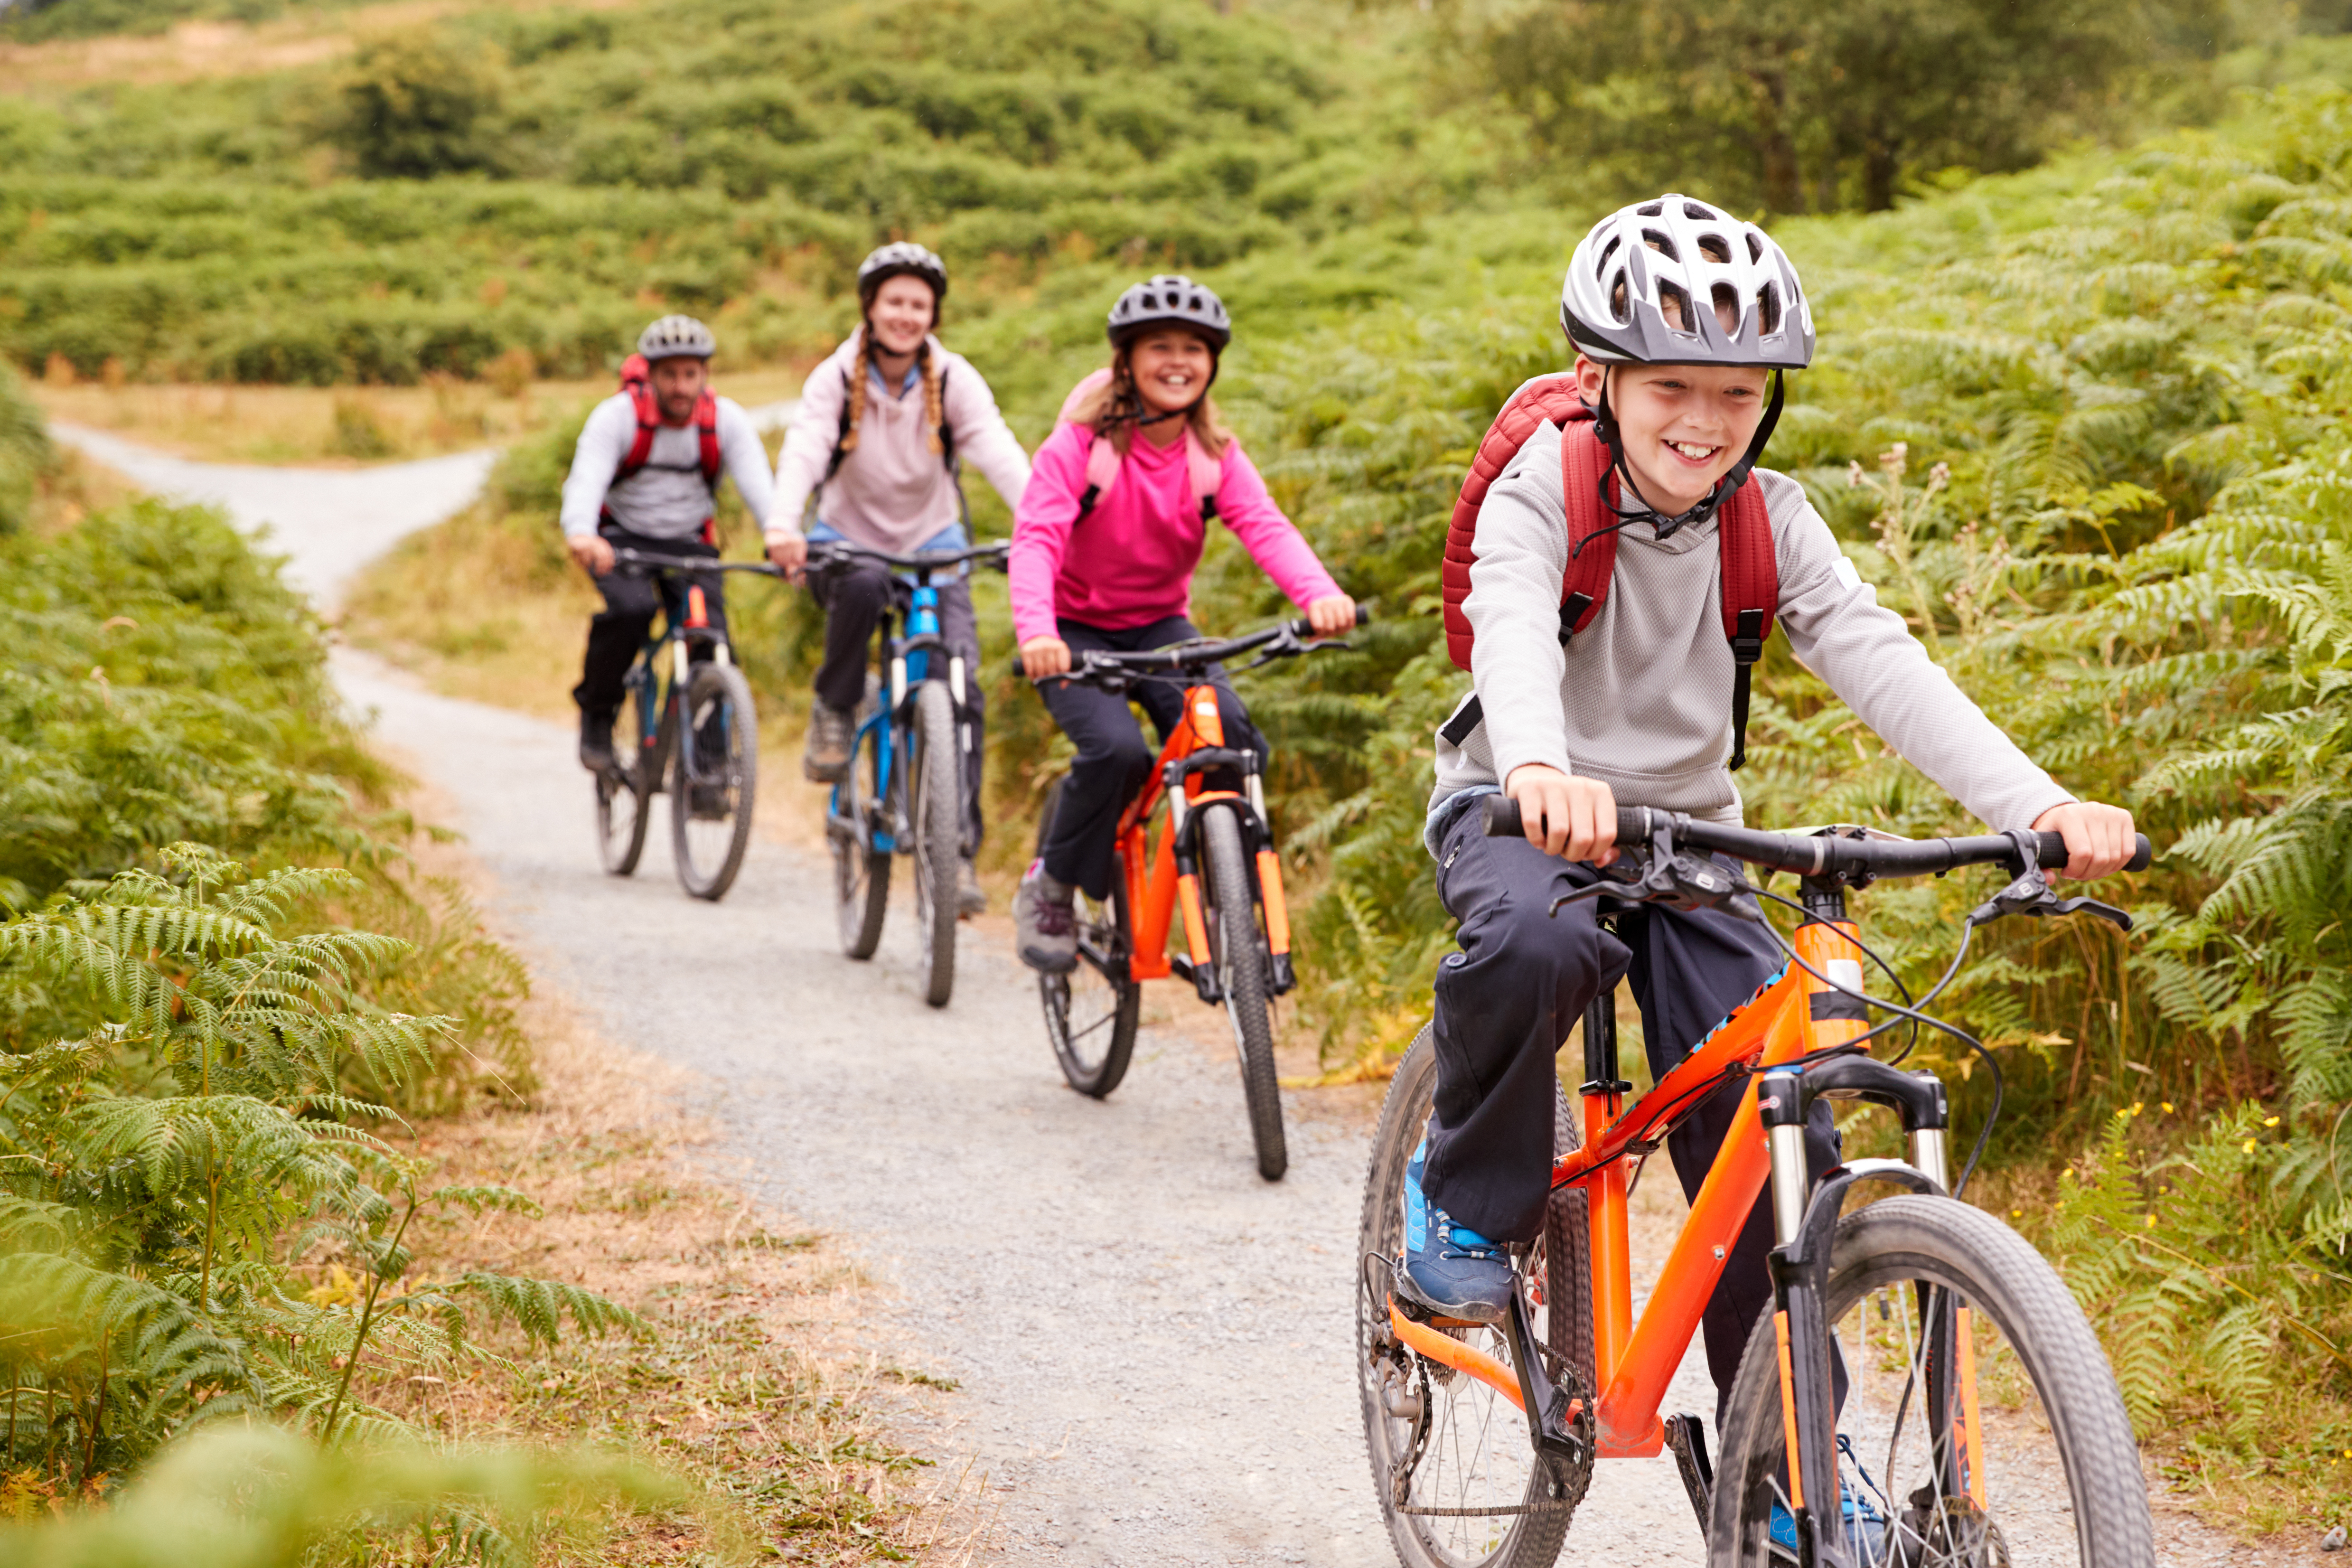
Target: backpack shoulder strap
840,432
641,445
1205,474
1546,399
706,426
1592,540
1751,576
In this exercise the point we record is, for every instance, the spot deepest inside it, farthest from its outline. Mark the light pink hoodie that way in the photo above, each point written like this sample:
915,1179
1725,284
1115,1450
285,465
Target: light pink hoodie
1130,563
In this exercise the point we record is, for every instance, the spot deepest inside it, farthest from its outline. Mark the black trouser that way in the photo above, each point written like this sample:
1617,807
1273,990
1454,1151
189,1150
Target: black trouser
1507,1001
855,597
1113,761
618,631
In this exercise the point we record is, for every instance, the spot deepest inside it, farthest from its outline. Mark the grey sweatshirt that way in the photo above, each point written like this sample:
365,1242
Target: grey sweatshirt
666,498
1640,698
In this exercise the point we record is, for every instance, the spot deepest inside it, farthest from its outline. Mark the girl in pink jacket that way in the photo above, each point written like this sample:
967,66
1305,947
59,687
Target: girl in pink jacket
1104,544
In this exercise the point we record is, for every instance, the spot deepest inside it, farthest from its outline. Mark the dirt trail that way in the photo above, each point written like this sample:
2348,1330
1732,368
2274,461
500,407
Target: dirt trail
1153,1345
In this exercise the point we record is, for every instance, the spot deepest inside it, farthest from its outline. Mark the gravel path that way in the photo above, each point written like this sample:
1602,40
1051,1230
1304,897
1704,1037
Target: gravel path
1153,1345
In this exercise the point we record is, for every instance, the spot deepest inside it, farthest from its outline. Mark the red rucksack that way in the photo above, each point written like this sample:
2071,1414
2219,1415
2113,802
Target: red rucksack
636,380
1751,576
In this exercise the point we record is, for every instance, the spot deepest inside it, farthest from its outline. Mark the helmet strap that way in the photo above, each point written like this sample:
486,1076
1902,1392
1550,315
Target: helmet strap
1669,525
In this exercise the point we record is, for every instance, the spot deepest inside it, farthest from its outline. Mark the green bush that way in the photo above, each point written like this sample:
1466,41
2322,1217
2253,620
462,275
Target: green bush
26,453
413,106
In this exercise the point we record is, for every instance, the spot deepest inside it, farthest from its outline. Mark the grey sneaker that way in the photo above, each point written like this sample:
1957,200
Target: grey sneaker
596,741
830,733
971,899
1044,927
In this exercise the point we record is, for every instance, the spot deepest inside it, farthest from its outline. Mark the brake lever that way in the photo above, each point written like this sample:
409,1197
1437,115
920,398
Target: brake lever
2031,895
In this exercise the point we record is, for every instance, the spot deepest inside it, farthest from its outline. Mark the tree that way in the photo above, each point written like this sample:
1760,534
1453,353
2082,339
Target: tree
412,106
1792,106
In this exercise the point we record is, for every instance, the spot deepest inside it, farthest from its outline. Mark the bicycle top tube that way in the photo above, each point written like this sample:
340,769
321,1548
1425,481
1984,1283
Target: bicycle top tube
1287,639
991,554
1829,852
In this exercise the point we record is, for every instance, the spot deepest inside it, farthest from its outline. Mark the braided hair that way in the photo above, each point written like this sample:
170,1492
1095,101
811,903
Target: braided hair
869,364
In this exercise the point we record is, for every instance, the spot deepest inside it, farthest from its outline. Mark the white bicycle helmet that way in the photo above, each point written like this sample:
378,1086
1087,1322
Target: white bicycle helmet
902,259
1653,282
1171,298
676,337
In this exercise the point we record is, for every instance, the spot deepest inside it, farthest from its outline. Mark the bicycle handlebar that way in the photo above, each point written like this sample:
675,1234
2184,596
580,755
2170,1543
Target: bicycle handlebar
991,554
1195,656
646,563
1814,854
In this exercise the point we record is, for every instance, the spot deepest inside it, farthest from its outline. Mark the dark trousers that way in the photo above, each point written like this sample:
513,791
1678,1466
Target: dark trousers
855,598
618,631
1113,761
1507,999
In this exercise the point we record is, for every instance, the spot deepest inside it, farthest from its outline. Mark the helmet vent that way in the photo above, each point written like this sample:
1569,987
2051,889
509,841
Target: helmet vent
1727,308
1661,244
1676,307
1617,306
1608,251
1755,246
1711,246
1652,210
1704,214
1768,310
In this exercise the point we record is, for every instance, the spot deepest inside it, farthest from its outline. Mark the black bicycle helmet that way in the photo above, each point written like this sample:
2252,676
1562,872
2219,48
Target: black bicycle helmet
1171,298
902,259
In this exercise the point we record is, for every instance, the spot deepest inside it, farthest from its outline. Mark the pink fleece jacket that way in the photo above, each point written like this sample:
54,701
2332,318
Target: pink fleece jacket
1130,563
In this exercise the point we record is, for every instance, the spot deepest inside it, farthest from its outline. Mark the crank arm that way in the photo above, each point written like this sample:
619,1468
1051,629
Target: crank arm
1550,1413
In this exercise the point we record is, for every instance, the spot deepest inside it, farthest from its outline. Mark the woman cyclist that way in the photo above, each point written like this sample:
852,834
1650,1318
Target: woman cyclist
882,428
1104,542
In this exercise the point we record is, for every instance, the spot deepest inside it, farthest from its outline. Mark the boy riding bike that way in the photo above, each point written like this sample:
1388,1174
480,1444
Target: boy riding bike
1105,543
643,477
1624,694
882,428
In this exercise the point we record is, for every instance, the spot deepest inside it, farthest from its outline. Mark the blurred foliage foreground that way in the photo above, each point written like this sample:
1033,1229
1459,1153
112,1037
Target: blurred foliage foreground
202,1055
2084,429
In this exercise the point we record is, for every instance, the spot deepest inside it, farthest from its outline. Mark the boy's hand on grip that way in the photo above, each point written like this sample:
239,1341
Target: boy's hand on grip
1042,656
593,552
1574,818
1332,616
2099,838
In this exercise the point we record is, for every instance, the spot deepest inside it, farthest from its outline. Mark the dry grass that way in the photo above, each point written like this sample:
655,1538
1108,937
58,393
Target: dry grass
763,1382
344,426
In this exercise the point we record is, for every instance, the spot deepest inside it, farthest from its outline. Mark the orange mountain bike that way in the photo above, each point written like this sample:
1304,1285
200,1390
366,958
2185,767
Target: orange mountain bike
1924,1391
1214,863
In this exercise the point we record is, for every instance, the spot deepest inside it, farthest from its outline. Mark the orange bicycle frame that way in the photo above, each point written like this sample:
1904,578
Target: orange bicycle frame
1157,891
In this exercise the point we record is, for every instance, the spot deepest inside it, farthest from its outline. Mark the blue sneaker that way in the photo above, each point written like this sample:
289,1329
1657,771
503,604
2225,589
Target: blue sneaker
1449,1269
1866,1531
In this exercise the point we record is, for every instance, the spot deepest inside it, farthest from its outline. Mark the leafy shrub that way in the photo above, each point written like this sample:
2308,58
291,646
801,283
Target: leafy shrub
26,453
413,106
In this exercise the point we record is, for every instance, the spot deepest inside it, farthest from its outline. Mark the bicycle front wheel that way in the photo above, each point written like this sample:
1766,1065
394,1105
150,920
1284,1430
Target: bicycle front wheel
1091,1012
936,815
1946,1320
714,778
621,789
1241,958
1460,1485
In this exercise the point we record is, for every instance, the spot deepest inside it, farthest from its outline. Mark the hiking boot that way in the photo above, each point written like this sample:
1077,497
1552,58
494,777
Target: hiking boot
971,899
597,740
831,733
1448,1267
1044,927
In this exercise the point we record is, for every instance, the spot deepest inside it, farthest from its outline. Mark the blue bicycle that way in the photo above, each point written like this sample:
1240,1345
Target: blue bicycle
903,794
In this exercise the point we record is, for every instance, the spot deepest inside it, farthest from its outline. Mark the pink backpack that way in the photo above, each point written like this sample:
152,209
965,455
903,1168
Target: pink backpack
1103,460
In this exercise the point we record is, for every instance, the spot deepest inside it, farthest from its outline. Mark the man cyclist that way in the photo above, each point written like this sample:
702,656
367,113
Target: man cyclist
643,477
1681,318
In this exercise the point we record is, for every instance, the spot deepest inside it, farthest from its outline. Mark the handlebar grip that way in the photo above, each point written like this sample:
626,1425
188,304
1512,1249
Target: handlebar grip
1363,615
2053,852
1504,820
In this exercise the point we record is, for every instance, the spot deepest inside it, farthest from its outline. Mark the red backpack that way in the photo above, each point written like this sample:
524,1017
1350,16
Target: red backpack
636,380
1751,576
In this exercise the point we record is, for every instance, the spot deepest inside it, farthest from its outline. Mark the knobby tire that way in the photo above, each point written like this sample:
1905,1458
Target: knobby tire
622,795
861,874
1241,958
1091,1013
935,815
709,835
1523,1539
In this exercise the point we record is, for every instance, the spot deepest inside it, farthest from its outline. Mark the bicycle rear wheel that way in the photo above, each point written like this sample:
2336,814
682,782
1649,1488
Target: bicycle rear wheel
714,779
1091,1012
1439,1439
1239,953
936,816
621,789
861,874
1936,1306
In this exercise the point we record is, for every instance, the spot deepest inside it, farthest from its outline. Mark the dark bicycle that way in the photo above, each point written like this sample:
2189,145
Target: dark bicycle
712,783
904,791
